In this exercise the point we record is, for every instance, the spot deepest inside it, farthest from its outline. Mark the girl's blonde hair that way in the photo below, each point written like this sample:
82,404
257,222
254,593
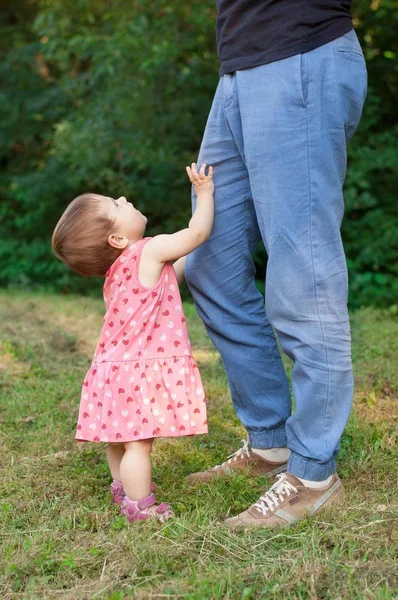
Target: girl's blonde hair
80,238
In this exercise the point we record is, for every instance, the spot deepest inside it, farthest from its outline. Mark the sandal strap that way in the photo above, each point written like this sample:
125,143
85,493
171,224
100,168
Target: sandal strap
146,502
116,487
162,508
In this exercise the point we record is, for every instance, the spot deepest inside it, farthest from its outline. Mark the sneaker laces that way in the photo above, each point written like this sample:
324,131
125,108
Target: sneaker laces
277,493
244,451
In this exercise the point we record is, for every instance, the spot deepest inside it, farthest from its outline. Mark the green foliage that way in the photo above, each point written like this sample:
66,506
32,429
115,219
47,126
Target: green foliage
113,97
370,229
60,537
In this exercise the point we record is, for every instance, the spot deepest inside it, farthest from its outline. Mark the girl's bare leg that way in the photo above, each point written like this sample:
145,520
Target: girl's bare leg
136,469
114,453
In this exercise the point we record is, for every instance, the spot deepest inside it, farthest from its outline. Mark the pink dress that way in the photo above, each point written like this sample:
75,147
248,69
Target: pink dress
143,381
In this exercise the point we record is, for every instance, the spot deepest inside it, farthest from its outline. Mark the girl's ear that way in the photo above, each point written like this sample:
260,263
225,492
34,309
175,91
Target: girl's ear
118,241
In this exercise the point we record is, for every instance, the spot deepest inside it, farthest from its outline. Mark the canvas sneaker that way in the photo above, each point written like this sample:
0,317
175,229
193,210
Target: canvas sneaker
287,502
243,460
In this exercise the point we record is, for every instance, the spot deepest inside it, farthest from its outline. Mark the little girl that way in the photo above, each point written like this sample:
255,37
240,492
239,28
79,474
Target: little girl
143,382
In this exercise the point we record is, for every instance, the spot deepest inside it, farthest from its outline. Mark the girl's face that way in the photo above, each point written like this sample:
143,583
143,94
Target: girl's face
128,221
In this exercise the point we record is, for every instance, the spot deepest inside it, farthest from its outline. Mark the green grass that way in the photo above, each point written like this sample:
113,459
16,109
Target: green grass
61,538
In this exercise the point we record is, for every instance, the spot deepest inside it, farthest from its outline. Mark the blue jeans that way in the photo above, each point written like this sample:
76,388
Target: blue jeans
276,136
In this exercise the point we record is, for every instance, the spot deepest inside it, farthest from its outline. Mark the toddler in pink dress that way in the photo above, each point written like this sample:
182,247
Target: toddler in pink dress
143,382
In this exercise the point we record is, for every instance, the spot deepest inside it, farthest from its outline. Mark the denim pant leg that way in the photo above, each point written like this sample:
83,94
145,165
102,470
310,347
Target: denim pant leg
297,114
221,277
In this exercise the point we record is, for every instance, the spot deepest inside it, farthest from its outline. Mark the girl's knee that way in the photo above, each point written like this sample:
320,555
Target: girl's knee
142,446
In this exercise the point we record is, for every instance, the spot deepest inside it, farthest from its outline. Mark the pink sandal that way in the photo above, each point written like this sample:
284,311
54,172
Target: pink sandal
118,492
137,510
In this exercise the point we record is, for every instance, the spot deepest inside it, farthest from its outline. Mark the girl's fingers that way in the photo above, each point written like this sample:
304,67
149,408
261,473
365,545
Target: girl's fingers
189,173
194,171
195,177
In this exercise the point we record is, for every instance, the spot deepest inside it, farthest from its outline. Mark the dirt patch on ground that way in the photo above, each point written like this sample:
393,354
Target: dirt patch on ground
51,327
10,366
79,317
377,406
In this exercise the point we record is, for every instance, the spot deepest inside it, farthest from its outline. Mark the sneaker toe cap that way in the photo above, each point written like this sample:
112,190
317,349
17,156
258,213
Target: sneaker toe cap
244,519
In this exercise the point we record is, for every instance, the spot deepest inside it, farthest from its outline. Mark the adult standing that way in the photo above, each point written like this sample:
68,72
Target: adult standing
292,87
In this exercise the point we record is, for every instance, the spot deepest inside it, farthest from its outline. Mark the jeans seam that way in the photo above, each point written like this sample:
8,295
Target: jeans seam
315,285
227,103
284,382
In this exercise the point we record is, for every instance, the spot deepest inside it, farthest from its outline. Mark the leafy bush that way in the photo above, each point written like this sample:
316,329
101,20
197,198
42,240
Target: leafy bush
113,98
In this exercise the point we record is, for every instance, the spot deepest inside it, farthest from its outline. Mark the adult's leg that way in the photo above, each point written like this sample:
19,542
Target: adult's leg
296,115
221,277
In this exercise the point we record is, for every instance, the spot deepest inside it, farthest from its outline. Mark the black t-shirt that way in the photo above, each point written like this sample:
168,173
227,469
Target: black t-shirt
255,32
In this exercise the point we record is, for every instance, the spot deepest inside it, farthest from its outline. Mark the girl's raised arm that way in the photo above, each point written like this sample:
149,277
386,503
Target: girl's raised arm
166,248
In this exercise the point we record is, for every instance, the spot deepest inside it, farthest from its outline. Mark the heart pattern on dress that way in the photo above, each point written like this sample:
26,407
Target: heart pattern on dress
144,337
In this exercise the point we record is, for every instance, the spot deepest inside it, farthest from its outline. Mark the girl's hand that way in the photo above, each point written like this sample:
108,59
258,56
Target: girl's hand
169,247
202,183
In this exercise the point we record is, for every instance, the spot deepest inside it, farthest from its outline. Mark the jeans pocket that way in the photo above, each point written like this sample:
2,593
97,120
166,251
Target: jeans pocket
351,54
353,86
304,77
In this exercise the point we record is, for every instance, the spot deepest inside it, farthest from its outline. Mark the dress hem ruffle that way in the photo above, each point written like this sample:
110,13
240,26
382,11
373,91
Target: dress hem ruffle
184,433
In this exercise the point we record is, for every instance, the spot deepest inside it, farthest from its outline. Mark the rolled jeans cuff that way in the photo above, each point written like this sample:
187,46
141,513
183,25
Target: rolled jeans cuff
308,468
272,438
